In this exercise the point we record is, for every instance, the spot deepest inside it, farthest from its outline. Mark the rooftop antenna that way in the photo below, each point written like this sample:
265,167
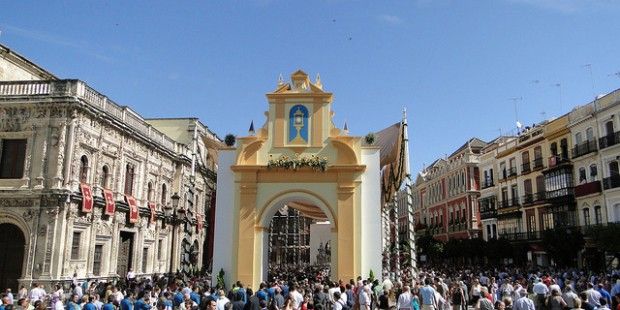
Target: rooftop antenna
589,68
559,86
514,102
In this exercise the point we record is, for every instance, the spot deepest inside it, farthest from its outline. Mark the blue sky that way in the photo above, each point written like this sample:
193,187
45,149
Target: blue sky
454,64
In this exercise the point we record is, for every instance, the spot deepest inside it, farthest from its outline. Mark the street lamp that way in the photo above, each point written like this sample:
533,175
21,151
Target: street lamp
175,200
169,210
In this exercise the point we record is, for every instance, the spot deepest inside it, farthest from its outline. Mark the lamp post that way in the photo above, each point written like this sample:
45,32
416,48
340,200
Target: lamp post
170,215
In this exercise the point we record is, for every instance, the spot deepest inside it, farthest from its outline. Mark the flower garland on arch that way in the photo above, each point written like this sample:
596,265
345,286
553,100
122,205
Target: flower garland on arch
298,161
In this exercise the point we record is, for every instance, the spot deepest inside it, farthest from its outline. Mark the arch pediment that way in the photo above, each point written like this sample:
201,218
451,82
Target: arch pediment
248,155
346,152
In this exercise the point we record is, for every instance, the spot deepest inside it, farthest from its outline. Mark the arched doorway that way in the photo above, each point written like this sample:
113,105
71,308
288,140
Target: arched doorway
307,208
299,238
12,243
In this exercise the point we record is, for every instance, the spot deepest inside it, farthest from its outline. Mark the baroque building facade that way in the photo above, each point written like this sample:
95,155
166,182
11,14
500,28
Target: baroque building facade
447,192
561,173
90,188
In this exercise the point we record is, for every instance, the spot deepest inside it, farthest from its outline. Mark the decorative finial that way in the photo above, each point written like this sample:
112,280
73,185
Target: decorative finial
318,81
280,80
345,128
251,131
404,113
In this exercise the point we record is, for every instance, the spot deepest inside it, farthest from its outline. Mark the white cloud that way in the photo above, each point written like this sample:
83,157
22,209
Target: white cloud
390,19
84,47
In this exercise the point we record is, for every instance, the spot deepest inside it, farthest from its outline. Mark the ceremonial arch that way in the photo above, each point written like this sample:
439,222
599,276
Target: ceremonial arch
301,160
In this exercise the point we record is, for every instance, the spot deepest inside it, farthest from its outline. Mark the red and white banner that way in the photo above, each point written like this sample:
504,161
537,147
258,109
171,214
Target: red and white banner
134,213
87,198
110,206
199,221
153,209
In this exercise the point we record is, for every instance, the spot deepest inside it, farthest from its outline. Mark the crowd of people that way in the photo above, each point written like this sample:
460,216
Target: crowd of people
446,288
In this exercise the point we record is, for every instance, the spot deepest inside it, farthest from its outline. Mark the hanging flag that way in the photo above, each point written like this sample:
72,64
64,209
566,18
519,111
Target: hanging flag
110,206
153,211
87,198
134,213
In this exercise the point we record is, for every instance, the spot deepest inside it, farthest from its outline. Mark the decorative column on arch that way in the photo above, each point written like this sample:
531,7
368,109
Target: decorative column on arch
246,251
348,256
387,257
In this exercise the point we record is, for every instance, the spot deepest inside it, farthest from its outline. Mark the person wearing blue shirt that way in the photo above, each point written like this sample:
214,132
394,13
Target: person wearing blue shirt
73,303
178,299
604,293
127,302
110,304
195,296
427,292
90,305
142,303
262,293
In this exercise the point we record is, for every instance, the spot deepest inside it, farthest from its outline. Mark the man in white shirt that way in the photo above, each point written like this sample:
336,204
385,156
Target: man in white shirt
222,300
364,298
523,303
506,289
594,297
37,293
296,297
9,295
339,303
541,290
404,300
333,289
118,295
131,275
569,297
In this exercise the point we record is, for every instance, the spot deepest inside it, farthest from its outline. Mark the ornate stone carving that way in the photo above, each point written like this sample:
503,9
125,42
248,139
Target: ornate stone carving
28,215
57,112
15,203
105,229
42,230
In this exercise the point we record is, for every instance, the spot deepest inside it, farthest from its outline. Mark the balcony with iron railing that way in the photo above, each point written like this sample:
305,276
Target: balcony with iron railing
557,160
487,183
611,182
509,203
566,193
609,140
525,168
488,207
512,172
588,188
521,236
488,213
538,163
503,174
584,148
533,198
457,226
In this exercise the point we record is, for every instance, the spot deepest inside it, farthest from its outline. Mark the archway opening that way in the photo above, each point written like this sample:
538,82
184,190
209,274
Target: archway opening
299,241
13,244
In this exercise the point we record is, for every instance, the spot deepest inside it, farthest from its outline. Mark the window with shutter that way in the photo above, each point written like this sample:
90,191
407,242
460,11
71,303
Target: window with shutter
12,158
